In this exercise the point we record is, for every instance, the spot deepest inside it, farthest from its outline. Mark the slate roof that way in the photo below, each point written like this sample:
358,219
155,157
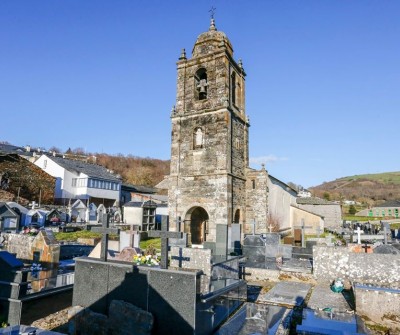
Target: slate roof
138,188
313,201
11,149
390,203
92,170
6,211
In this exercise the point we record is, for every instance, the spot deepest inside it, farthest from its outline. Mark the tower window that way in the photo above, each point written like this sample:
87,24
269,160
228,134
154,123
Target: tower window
233,87
198,138
201,84
253,184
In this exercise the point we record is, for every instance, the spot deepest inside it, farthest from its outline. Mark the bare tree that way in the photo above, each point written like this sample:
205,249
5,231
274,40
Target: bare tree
274,222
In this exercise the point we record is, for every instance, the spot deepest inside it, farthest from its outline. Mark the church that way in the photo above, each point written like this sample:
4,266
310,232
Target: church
211,187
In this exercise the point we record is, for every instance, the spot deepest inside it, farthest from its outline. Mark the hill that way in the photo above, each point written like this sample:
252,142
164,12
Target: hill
135,170
368,188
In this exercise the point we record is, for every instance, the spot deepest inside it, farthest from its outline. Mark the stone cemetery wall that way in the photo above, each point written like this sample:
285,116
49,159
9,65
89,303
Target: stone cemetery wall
380,306
188,258
19,244
338,262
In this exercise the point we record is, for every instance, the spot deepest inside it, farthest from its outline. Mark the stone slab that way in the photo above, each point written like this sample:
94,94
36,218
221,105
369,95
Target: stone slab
286,294
297,265
256,319
322,297
221,246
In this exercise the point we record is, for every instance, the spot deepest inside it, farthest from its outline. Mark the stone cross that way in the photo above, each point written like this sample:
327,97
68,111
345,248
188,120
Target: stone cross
253,224
303,233
164,234
105,230
385,232
358,231
131,233
270,227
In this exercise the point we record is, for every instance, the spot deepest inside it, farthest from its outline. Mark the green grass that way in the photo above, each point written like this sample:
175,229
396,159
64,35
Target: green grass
154,242
73,236
385,178
360,218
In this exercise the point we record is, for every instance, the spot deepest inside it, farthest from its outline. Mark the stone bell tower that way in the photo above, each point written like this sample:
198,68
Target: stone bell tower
209,150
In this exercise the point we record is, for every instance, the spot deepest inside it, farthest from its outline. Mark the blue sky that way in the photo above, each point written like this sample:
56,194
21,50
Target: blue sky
322,86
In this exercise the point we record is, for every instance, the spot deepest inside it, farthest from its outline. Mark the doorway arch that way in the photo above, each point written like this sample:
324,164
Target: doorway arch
196,220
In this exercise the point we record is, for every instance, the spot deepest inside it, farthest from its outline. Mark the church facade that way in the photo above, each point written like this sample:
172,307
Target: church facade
210,183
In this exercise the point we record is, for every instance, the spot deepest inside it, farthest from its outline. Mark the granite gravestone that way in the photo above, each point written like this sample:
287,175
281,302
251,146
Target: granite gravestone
254,248
272,244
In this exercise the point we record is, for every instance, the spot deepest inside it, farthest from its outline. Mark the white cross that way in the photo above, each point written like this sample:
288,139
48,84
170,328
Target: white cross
270,227
358,231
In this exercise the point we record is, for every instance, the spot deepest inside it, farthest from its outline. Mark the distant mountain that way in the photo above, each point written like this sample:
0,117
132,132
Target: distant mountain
367,188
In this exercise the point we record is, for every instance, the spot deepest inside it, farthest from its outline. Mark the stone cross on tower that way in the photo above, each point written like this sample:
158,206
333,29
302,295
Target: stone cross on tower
105,230
303,233
165,235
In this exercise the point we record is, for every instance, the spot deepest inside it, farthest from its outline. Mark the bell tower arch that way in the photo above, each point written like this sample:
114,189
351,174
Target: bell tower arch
209,138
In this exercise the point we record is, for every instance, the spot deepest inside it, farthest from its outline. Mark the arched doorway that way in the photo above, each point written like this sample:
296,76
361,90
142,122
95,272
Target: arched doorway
197,224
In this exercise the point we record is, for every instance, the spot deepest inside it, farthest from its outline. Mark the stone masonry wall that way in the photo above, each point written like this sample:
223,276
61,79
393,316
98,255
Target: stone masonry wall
257,201
382,307
19,244
332,213
338,262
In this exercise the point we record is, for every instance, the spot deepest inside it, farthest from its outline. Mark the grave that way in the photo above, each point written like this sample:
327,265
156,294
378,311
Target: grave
183,301
287,294
323,298
257,319
328,323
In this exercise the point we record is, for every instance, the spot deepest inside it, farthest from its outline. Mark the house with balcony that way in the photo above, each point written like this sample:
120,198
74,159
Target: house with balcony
76,179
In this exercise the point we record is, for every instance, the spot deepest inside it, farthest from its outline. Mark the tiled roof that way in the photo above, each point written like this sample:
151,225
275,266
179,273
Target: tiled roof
313,201
92,170
9,148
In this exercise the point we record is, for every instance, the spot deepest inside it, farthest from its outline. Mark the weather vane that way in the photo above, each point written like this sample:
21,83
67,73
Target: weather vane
212,11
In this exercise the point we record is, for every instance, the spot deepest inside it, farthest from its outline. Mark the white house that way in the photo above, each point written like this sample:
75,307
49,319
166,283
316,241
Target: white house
80,180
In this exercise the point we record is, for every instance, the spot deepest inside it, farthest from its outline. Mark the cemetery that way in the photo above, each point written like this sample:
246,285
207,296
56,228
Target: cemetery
223,267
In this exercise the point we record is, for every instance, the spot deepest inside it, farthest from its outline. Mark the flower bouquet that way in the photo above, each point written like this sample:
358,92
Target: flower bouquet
148,260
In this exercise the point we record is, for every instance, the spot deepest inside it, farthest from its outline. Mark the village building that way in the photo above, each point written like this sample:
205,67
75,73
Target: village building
77,179
329,210
210,183
388,209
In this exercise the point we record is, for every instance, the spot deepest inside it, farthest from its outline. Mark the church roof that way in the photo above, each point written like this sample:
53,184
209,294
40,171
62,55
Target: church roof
208,41
390,203
313,201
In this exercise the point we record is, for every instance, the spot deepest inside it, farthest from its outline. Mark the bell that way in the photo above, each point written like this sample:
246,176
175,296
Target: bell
202,89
